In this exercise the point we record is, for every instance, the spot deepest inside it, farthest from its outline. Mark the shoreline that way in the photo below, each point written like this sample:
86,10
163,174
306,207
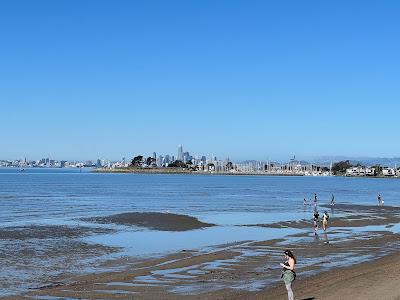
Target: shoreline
174,171
183,171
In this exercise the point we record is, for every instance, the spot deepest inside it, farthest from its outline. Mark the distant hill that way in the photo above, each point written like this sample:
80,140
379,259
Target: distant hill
326,161
367,161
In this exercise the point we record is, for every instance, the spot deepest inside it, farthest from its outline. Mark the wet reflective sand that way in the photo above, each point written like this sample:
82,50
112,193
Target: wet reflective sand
244,267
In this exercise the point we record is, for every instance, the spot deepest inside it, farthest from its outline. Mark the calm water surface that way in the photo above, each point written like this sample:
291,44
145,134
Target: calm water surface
63,196
36,195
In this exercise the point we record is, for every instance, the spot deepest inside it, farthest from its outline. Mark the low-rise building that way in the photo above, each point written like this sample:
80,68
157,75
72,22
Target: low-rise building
388,172
370,171
355,171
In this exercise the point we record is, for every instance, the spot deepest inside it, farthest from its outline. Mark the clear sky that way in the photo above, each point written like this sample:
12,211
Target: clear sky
244,79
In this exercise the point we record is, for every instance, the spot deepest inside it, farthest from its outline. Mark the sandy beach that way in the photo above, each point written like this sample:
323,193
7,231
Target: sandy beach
344,263
199,150
376,279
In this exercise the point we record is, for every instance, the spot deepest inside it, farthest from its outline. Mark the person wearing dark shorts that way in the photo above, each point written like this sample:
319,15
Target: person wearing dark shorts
316,219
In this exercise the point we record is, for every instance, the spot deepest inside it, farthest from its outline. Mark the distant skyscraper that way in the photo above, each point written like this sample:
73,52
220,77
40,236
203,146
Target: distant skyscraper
98,163
186,156
160,161
180,152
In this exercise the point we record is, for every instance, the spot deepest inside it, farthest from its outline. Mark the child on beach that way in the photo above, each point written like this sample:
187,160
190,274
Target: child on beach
325,219
288,274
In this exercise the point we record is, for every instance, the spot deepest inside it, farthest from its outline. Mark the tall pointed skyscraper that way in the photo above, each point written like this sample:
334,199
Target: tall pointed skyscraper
180,153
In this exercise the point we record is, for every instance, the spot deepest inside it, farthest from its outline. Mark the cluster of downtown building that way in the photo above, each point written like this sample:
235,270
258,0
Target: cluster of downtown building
203,163
52,163
186,157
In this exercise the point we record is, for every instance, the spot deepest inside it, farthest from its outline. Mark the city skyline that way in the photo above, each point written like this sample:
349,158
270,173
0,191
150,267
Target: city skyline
253,80
185,162
182,154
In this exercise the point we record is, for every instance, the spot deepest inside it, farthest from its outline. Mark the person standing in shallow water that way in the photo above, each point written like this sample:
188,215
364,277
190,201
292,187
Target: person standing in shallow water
333,200
379,199
316,219
288,273
325,218
315,201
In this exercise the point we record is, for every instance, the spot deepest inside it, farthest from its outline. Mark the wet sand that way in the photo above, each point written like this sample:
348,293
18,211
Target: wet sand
376,279
228,274
48,232
153,220
32,255
328,267
352,216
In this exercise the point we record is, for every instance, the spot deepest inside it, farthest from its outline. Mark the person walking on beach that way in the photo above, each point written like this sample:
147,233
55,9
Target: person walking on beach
325,218
305,201
316,219
288,274
333,200
379,199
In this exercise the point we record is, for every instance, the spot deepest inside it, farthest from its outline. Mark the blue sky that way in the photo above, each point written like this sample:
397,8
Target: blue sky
244,79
